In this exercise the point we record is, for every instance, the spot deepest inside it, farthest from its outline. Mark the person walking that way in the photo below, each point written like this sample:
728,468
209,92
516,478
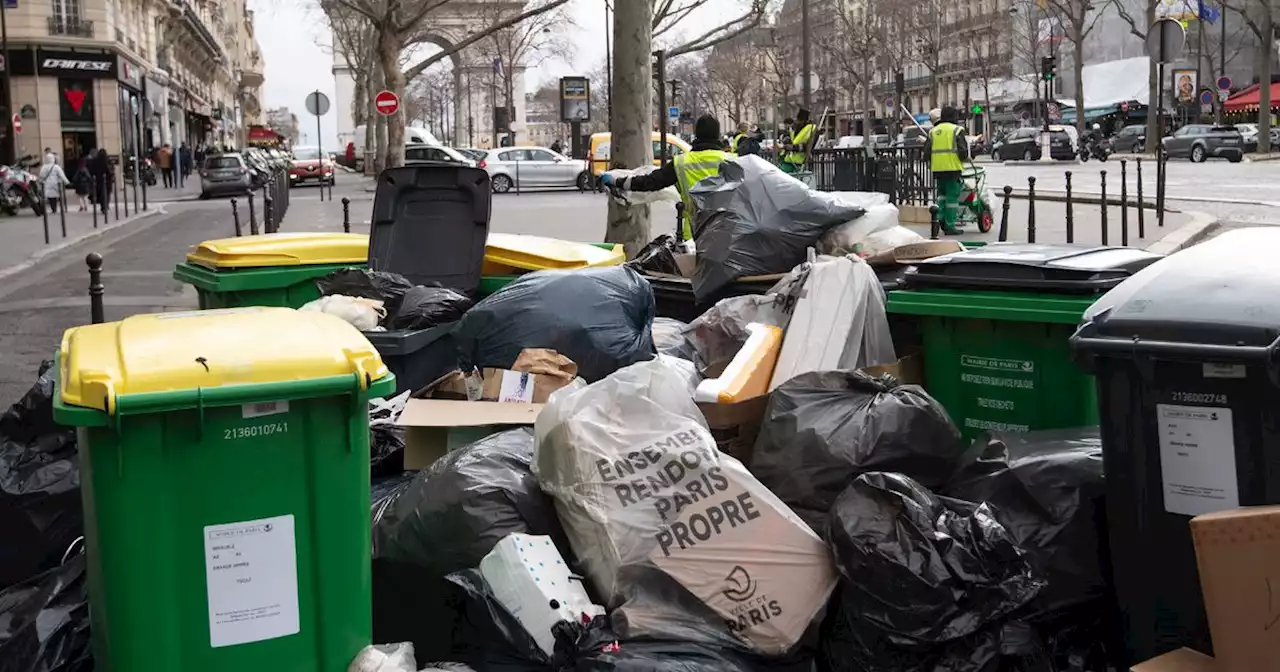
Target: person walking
164,159
53,178
184,160
948,150
83,181
101,173
685,170
557,147
798,147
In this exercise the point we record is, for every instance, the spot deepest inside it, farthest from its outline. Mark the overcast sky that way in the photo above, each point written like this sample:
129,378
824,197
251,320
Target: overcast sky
293,36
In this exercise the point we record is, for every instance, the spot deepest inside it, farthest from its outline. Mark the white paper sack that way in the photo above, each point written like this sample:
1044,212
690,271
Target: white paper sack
862,199
886,241
638,197
528,576
385,658
363,314
846,238
656,514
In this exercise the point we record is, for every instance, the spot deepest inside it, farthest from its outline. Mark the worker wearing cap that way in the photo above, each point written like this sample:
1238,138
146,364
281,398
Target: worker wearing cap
948,150
684,170
798,149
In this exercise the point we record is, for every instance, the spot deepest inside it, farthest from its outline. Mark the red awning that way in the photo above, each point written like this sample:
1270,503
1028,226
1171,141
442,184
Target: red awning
1248,99
262,133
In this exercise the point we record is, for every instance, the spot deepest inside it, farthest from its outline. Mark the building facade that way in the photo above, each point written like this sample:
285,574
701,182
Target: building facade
129,75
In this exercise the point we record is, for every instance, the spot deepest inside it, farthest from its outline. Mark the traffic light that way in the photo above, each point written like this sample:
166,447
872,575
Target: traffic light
1048,65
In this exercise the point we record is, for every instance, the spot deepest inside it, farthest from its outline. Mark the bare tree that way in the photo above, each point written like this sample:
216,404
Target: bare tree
669,13
1138,28
918,28
353,36
528,43
697,93
982,49
1078,18
1257,15
780,72
853,47
399,24
733,69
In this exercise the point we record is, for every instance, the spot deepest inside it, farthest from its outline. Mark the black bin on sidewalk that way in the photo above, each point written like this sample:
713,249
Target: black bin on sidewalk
1186,356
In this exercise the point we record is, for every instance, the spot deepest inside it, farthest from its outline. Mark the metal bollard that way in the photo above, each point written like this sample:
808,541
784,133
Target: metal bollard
144,194
62,212
934,226
97,202
1162,172
137,179
1071,213
235,216
1031,209
1124,203
1004,215
253,217
1106,230
44,211
1142,206
346,215
115,196
97,313
679,220
268,214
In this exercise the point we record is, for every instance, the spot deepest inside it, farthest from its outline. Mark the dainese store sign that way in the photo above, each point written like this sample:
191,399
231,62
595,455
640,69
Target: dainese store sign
53,63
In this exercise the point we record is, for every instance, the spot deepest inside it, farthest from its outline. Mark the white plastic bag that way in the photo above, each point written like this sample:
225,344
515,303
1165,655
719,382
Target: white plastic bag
385,658
363,314
862,199
886,240
638,197
844,239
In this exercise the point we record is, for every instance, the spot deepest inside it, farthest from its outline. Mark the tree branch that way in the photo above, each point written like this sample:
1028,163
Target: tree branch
416,70
726,31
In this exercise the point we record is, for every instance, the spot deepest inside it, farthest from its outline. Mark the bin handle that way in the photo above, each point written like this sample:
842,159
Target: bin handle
99,384
360,362
1265,354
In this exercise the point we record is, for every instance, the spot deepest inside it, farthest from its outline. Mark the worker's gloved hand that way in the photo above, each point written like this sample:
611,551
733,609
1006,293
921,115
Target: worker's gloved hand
607,180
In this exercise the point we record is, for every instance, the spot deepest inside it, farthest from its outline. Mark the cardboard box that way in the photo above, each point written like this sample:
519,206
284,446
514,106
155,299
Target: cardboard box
434,427
1181,660
1238,555
913,253
909,369
497,385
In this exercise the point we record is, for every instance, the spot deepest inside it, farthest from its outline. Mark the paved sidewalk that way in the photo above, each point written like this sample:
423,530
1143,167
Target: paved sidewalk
24,234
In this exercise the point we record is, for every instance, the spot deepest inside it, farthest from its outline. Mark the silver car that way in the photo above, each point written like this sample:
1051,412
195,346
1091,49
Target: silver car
533,168
224,174
418,153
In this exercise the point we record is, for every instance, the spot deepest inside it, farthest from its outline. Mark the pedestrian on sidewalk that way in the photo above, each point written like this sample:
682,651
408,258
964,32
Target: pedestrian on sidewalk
82,181
164,159
53,178
100,171
184,160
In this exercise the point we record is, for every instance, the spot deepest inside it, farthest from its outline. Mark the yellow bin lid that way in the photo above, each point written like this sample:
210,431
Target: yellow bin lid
167,352
536,253
282,249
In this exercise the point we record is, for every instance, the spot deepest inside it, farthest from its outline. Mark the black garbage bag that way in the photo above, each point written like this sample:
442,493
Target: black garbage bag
44,622
1048,491
450,516
753,219
40,512
921,571
669,339
598,317
657,257
425,307
384,286
824,428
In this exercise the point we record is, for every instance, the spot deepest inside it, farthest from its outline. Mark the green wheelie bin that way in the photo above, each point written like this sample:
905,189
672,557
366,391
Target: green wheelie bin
276,269
994,324
225,483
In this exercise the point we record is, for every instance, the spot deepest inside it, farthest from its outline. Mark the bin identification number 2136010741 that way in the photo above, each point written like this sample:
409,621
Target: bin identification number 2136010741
267,428
255,431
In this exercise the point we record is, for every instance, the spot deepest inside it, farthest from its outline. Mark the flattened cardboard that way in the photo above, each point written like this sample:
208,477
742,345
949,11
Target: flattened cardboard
912,253
1181,660
909,370
1238,555
433,427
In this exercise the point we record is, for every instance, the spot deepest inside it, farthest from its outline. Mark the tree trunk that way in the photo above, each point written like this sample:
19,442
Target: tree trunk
359,104
1077,71
1264,79
632,108
371,156
389,47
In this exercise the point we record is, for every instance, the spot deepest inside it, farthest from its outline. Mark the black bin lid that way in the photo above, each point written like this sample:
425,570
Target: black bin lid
1031,267
1216,301
430,223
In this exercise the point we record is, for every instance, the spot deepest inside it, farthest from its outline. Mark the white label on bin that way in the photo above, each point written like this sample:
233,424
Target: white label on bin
1213,370
251,573
1197,459
264,408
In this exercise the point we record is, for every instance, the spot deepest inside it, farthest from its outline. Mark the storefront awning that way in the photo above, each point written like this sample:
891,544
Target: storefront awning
1090,113
1248,99
263,134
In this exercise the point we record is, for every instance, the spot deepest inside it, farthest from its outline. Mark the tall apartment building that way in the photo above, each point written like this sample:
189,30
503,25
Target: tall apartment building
129,75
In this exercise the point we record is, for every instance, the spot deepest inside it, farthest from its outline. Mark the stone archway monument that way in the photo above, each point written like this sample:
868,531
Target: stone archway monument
479,79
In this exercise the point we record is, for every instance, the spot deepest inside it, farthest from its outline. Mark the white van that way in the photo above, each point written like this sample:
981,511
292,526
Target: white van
413,135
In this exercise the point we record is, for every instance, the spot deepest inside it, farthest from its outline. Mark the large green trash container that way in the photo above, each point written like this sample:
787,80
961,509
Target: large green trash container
994,325
278,269
225,479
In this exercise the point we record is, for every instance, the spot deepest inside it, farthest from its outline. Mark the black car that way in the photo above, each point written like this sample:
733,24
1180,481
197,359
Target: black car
1201,142
1024,144
1130,140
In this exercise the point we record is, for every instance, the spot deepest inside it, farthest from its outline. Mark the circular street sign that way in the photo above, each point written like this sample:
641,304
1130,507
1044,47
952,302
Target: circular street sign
888,102
1166,40
1206,97
1224,83
387,103
317,103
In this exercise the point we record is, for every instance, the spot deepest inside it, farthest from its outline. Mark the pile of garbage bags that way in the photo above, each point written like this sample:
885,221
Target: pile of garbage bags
380,300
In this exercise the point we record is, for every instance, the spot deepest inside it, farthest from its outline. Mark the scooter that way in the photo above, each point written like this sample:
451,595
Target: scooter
19,188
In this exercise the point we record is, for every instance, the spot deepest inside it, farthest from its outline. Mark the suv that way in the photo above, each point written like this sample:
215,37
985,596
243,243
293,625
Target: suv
1200,142
223,174
1024,144
1130,140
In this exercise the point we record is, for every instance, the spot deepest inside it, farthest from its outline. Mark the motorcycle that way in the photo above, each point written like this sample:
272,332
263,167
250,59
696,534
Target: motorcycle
1095,148
148,172
20,188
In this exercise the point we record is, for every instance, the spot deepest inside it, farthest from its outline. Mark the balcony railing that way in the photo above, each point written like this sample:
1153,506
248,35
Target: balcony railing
70,26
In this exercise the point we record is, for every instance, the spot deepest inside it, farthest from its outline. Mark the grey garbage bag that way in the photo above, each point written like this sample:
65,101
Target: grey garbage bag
824,428
669,339
753,219
598,317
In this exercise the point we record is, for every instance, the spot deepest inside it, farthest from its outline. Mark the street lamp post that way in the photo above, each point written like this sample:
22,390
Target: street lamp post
11,140
806,63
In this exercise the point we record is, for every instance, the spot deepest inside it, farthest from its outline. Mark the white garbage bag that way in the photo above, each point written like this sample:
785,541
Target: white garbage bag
886,240
638,197
363,314
845,238
385,658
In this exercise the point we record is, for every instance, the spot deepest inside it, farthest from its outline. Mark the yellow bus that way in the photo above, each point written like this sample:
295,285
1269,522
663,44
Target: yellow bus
599,151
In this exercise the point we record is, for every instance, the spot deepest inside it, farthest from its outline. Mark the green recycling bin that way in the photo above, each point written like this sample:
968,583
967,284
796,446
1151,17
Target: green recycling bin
994,325
277,269
225,482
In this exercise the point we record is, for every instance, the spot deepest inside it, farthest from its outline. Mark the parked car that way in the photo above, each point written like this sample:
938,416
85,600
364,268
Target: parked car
1130,140
1249,136
881,140
534,168
223,174
1200,142
471,153
600,149
435,154
309,166
1024,144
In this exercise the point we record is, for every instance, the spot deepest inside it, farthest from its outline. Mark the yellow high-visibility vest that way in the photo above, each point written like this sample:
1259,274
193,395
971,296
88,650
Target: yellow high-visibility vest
800,139
943,155
691,168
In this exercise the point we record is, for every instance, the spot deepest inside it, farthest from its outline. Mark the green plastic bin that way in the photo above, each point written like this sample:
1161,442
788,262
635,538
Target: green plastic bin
225,482
278,269
994,325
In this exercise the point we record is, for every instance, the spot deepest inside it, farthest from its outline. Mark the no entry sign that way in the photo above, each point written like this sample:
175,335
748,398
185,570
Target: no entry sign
387,103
